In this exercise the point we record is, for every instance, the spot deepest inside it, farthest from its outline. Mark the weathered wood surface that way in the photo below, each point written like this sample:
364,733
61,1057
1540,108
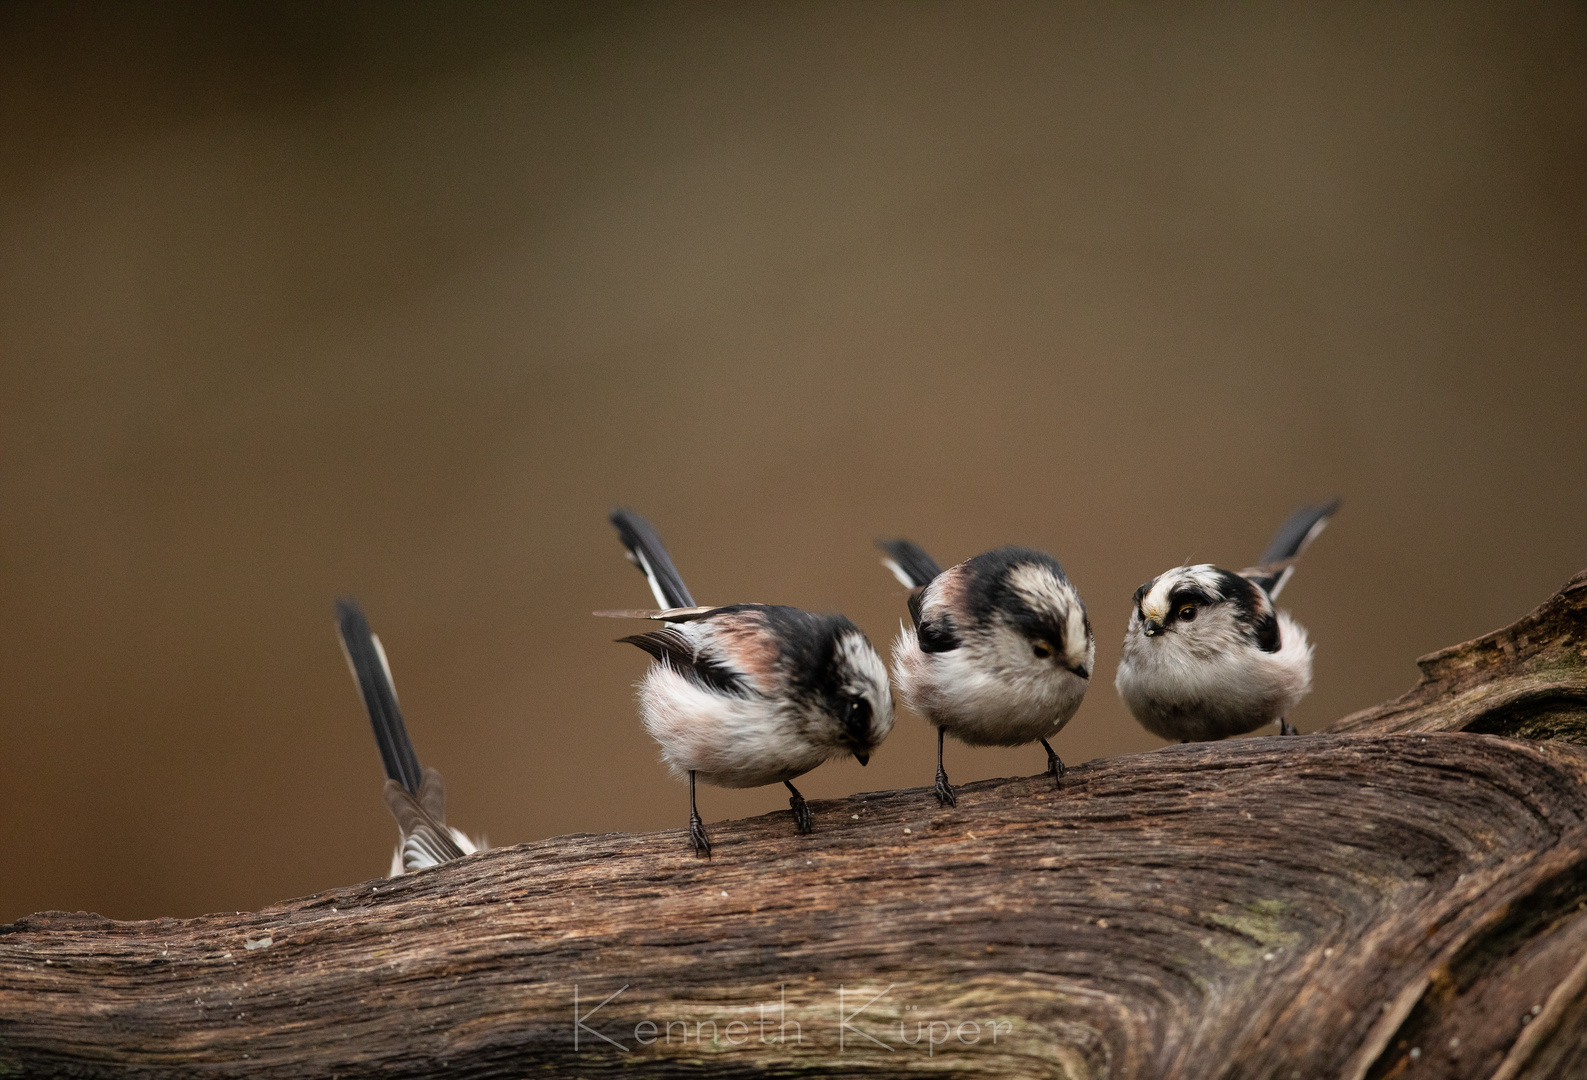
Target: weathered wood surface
1407,903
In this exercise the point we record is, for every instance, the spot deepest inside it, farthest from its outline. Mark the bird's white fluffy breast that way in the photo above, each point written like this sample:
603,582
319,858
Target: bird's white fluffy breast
989,691
729,740
1212,682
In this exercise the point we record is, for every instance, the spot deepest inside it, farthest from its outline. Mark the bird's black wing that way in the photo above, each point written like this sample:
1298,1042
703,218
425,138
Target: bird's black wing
645,551
368,663
936,635
674,648
1293,537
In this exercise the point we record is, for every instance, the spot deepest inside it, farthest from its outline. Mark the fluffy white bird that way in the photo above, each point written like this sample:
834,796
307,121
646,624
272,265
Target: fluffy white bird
999,653
750,694
1207,656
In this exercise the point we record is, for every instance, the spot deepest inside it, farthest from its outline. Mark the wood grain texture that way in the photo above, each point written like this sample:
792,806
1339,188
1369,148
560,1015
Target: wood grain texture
1364,904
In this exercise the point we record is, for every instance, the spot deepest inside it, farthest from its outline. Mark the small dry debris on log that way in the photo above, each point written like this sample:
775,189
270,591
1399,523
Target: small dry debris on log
1402,896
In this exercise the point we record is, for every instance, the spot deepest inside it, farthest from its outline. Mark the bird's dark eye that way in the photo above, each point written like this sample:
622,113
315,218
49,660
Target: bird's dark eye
1042,650
857,717
1187,613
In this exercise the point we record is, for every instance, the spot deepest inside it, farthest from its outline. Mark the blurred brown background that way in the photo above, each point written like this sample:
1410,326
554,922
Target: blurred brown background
303,299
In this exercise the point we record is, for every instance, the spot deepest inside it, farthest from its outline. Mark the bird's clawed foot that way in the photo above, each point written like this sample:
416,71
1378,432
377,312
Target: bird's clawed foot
697,837
1055,765
945,794
1287,728
804,821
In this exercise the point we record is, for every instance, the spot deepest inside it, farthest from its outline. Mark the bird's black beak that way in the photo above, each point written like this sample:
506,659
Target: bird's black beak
1153,628
1080,670
862,756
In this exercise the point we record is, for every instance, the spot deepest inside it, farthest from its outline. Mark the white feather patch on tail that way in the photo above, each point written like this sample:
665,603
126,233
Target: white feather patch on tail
899,572
385,665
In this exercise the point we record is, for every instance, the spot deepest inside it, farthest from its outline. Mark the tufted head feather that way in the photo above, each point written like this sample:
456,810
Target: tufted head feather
1202,584
1178,596
1028,592
862,697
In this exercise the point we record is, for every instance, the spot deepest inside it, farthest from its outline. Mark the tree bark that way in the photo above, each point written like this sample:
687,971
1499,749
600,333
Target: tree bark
1402,896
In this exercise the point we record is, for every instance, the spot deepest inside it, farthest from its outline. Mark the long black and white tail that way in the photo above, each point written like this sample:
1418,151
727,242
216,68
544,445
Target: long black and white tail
646,552
417,799
373,675
913,568
1289,542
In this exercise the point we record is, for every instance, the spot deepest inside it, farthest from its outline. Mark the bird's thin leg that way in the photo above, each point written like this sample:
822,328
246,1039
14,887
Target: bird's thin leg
1286,728
1055,765
804,823
945,795
697,837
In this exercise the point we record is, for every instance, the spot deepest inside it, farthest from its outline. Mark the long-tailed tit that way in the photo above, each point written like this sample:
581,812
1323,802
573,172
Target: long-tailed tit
750,694
416,799
1000,652
1207,656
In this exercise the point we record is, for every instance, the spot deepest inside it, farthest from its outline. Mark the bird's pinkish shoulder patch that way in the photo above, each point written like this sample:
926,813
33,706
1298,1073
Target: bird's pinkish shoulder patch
746,643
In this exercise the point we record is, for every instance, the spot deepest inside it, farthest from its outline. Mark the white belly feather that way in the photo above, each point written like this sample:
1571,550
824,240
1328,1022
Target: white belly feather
980,697
729,740
1198,694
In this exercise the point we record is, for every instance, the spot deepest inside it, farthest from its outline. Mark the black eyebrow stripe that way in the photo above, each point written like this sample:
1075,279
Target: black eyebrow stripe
1192,593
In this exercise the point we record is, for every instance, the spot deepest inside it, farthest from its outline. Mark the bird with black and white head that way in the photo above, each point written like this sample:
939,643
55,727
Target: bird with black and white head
1208,656
749,694
417,799
1000,650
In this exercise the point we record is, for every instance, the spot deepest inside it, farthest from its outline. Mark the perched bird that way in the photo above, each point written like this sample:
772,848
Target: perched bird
416,799
1207,656
750,694
1000,652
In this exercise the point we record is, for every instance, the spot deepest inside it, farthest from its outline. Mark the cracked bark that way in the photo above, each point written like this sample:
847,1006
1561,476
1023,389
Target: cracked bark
1404,895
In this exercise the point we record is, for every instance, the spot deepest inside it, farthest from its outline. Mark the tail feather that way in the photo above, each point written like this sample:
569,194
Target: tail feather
1288,543
909,563
425,840
645,551
367,660
432,795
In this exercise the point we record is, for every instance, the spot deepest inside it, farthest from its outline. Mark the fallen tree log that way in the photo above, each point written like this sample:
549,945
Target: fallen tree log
1403,896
